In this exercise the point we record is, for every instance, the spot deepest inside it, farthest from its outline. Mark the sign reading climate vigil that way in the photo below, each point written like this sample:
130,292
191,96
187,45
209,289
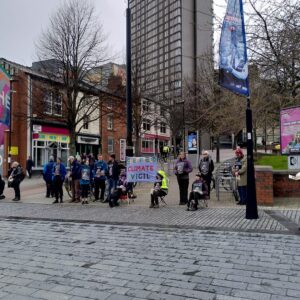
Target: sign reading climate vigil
141,169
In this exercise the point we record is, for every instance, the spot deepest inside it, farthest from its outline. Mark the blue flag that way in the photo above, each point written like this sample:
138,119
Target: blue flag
233,65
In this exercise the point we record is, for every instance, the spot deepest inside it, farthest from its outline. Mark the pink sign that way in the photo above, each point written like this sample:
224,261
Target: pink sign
290,130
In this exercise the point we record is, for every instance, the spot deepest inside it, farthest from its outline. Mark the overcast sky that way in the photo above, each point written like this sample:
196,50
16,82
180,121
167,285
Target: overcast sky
22,21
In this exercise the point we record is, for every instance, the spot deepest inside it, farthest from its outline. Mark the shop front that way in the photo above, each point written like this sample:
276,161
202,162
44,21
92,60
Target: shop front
49,141
151,143
88,144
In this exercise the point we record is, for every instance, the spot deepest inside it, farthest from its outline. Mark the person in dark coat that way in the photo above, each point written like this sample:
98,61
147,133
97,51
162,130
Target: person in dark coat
2,186
206,168
113,173
29,166
47,175
16,176
182,169
75,176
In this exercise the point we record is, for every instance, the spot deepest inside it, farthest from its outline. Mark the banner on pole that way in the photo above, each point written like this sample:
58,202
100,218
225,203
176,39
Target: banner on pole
233,65
141,169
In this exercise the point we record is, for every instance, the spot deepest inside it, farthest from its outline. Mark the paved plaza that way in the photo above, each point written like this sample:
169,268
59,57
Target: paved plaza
66,260
70,251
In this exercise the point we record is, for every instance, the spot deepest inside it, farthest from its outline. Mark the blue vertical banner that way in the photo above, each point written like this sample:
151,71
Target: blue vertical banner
233,65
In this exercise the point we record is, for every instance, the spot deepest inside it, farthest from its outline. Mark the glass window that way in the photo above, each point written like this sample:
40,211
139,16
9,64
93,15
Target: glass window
110,121
110,145
86,122
163,128
57,104
146,124
48,102
146,106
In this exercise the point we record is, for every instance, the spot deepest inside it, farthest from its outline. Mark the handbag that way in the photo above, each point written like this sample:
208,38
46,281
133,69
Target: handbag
10,182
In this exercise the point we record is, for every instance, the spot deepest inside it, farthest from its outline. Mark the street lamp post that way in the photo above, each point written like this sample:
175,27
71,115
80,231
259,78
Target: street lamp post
183,117
129,144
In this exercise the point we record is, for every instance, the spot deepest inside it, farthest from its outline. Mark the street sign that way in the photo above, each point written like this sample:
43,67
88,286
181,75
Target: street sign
294,162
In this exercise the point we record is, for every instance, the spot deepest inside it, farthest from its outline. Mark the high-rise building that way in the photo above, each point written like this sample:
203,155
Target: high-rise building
167,37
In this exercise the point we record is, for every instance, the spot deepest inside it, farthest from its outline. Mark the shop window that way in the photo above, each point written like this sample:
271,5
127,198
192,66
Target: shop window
147,146
110,145
110,122
146,125
86,122
163,128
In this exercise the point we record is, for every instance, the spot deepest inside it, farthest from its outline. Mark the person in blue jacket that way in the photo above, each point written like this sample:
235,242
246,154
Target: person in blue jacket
47,175
59,174
85,181
100,170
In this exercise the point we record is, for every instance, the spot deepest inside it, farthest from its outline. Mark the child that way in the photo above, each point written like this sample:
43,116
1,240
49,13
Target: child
160,188
85,181
199,191
121,189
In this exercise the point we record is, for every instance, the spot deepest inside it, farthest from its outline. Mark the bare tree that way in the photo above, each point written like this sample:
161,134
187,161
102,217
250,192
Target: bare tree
73,44
274,43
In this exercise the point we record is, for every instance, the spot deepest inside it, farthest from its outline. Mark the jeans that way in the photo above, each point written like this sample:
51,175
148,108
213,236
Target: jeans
49,189
112,183
243,194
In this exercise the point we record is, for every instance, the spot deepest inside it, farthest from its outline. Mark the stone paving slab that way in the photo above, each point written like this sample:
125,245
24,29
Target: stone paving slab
65,260
208,218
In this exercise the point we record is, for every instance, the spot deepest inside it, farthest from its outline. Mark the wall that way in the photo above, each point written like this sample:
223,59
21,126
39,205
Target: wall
264,185
285,187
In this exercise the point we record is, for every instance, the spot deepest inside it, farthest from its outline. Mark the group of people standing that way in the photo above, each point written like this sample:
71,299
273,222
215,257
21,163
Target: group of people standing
85,175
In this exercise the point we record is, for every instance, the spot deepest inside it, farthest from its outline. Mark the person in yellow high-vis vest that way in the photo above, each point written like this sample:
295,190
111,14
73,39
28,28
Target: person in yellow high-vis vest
160,188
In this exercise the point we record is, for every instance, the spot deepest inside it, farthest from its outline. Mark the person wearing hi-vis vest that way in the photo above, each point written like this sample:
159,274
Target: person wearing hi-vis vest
160,188
166,151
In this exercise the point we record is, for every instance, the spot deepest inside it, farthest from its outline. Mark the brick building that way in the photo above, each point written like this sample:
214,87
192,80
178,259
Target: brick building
38,120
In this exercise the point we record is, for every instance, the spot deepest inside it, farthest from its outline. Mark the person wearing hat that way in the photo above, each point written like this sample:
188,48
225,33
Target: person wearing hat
240,172
160,188
199,191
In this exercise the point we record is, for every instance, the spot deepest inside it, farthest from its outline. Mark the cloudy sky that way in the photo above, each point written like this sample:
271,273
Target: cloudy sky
22,21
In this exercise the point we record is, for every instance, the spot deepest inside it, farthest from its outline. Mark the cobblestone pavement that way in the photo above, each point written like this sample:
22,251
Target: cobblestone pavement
76,261
209,218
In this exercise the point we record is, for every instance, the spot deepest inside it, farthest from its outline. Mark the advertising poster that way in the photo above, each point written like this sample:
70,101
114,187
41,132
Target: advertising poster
290,130
233,63
4,111
141,169
192,142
